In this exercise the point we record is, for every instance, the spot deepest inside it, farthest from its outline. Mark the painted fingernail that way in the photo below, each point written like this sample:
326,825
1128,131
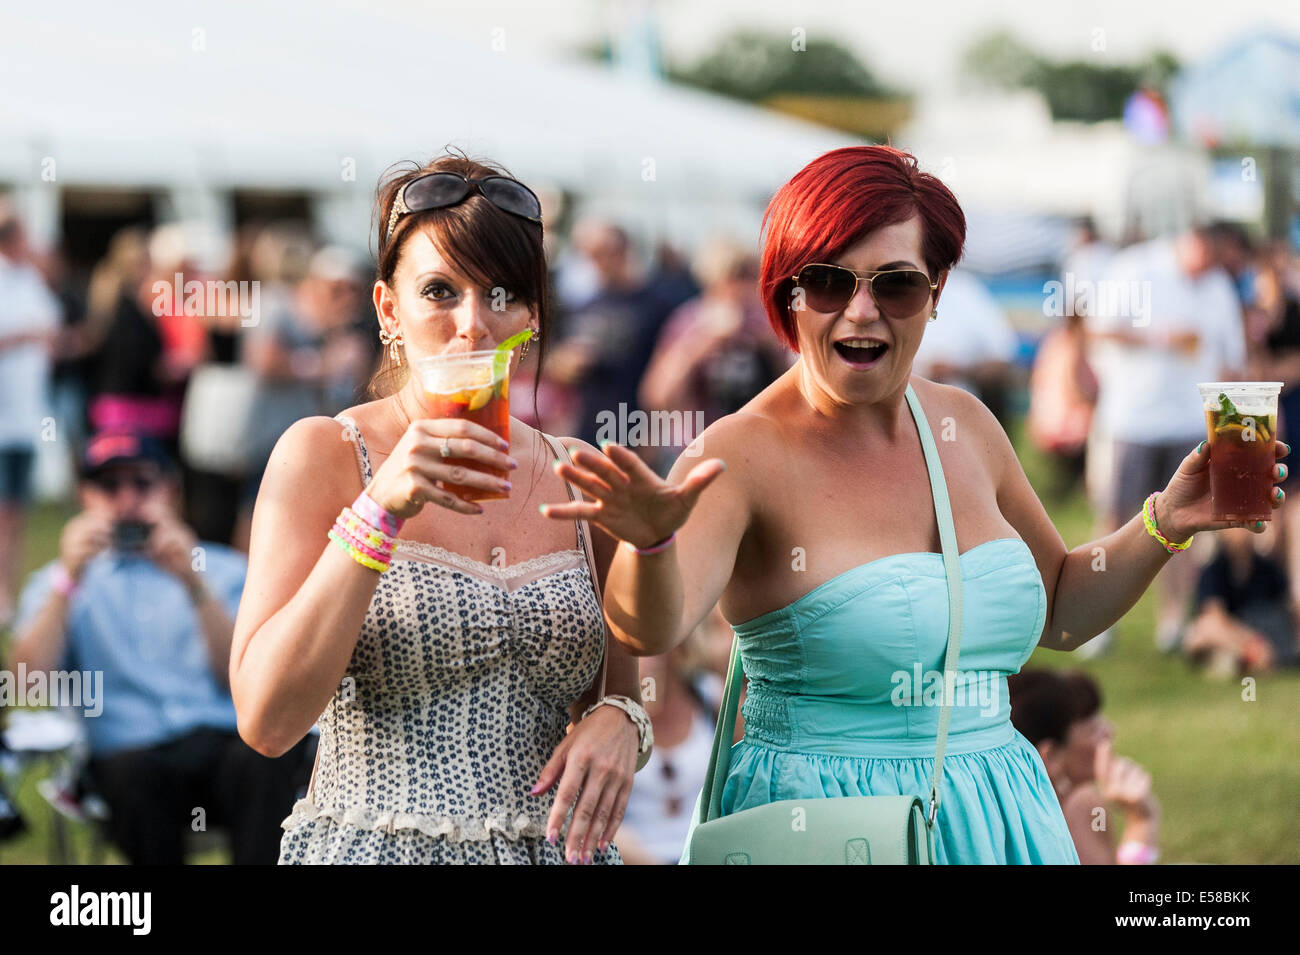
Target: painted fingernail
1259,525
513,464
1284,472
551,836
604,442
586,859
541,509
1277,493
507,485
1200,447
571,858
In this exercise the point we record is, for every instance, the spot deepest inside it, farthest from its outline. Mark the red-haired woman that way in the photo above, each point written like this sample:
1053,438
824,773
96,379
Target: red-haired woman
444,646
818,531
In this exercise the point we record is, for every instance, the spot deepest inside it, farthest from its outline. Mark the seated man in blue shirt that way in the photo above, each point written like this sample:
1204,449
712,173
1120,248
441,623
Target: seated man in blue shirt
137,600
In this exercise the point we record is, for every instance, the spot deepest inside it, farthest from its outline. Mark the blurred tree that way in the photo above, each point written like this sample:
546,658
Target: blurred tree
1000,59
752,66
1074,90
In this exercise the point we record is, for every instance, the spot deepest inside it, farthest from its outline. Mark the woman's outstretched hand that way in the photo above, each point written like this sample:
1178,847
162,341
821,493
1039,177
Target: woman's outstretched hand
632,503
1184,506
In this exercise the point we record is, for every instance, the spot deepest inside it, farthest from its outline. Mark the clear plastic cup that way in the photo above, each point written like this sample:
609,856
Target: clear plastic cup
1241,421
476,386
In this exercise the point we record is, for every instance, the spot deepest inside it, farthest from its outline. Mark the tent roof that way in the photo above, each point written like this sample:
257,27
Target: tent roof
284,97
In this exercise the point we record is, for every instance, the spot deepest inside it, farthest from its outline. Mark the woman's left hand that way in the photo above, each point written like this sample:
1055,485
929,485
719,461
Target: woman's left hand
594,764
1185,507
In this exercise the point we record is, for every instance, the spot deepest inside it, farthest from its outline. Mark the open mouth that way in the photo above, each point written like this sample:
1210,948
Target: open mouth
861,354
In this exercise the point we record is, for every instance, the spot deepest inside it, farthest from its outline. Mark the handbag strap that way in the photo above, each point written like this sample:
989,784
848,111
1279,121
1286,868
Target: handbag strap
720,757
584,534
952,565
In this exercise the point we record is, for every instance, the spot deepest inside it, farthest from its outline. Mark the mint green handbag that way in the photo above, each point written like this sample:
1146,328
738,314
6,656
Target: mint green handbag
843,830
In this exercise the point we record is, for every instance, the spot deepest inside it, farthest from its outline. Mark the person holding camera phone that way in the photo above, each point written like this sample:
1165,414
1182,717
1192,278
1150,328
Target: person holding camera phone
135,595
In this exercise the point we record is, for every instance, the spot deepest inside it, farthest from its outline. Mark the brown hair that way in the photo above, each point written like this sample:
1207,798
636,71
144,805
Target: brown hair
487,244
1046,703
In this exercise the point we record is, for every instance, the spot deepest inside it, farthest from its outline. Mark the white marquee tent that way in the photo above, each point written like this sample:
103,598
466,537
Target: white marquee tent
201,99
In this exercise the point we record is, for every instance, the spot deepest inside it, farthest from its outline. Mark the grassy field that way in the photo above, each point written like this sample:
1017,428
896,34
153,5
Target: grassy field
1226,771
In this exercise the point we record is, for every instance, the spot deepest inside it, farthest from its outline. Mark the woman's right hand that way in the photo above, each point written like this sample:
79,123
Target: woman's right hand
407,480
633,503
1124,782
82,538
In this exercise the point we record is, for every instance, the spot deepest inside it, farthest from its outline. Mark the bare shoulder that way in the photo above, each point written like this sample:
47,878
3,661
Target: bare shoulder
744,439
961,416
317,455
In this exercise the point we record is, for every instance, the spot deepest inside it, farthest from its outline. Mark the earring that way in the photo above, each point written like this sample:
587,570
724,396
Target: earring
392,341
934,314
523,352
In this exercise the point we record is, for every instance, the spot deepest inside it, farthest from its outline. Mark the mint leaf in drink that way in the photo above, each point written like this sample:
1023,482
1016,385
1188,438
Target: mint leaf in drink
1228,412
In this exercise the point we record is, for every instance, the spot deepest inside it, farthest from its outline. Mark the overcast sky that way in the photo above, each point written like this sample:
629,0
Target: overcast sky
915,43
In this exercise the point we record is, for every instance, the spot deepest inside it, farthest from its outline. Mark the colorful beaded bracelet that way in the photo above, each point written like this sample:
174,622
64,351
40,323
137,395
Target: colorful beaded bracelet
364,531
383,556
1149,519
363,559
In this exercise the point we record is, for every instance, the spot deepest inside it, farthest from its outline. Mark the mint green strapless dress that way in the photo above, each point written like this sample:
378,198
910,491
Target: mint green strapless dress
842,690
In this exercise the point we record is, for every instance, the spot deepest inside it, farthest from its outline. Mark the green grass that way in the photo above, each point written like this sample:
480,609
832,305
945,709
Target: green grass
1226,771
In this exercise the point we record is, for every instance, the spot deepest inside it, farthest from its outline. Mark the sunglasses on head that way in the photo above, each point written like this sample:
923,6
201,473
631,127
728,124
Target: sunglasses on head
110,483
441,189
898,293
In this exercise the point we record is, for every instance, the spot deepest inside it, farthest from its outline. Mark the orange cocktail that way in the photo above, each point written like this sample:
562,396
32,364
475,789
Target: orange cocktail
474,386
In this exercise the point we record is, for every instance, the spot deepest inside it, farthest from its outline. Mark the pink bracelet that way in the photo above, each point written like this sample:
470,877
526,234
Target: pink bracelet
653,548
1136,853
351,538
364,531
370,512
62,582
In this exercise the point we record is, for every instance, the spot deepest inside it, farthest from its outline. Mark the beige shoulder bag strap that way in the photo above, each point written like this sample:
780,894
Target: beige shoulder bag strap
584,532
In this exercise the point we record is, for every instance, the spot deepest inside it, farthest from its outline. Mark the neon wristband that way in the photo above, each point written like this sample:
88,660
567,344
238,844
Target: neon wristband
1149,520
653,548
364,532
360,558
351,538
369,511
62,582
1136,853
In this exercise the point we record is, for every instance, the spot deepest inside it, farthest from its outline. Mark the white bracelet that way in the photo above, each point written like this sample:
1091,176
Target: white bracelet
640,719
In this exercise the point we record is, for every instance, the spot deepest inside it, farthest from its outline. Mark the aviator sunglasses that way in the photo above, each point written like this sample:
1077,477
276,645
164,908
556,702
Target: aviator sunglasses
441,189
898,293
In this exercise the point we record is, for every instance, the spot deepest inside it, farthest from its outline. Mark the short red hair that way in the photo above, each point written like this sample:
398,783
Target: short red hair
835,201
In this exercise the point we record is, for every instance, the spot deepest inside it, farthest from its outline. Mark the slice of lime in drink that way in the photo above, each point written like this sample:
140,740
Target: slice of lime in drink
501,361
